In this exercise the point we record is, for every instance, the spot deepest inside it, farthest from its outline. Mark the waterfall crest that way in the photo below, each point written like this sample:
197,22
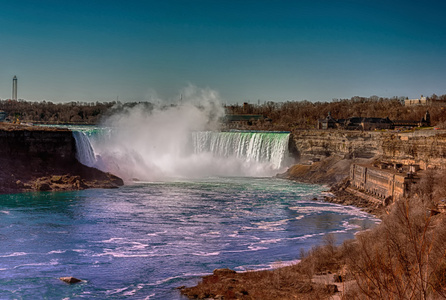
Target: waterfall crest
197,154
84,151
251,147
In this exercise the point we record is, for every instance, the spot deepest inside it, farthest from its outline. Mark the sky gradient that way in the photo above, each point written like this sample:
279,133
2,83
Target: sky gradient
246,50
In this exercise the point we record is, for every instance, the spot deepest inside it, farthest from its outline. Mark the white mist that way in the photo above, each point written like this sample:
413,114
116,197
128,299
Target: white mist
157,144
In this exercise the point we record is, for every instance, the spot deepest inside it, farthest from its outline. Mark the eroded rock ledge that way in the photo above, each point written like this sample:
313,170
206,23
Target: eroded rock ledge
44,159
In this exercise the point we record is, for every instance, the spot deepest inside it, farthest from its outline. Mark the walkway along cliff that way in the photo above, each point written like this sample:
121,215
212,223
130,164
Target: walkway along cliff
43,159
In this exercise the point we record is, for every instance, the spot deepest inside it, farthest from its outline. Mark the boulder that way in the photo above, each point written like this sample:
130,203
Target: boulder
224,271
70,280
56,179
20,184
42,186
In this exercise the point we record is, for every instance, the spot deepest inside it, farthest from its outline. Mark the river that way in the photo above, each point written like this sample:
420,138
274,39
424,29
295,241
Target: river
143,240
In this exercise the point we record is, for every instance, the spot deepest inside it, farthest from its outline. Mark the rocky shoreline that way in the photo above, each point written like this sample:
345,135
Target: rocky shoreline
85,179
343,197
333,171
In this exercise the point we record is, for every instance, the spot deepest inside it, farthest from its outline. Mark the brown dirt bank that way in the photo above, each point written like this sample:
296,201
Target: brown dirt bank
283,283
330,170
36,158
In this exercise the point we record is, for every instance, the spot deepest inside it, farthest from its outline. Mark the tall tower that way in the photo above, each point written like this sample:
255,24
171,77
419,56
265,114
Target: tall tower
14,88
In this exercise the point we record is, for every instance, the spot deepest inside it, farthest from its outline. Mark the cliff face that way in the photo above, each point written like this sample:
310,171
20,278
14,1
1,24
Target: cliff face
426,148
18,141
36,158
429,151
311,144
325,156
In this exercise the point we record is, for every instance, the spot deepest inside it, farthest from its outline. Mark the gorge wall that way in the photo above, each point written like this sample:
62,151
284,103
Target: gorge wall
425,147
45,144
318,144
325,156
36,158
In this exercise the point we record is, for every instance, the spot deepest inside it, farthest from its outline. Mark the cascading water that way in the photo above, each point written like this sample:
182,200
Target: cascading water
250,147
204,154
84,151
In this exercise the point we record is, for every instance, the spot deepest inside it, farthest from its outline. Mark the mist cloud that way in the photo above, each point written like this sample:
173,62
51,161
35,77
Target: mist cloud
154,143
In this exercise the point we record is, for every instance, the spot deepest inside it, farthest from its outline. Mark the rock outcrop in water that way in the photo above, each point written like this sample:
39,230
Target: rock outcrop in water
44,159
70,280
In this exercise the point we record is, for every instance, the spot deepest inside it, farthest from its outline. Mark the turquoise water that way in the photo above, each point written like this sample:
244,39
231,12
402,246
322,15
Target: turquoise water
143,240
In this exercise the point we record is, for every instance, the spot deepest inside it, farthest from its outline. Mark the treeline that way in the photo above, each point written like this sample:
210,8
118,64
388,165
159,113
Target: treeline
277,115
305,114
61,113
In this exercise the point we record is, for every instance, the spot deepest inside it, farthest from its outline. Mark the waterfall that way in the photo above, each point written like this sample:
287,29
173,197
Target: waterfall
200,154
250,147
84,151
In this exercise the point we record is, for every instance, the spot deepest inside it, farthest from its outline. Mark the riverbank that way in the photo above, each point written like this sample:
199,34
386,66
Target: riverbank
34,158
333,171
322,273
401,258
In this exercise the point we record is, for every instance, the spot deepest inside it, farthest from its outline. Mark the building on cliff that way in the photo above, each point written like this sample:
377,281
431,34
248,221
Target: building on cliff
367,124
354,123
384,181
424,101
424,122
242,121
413,102
328,122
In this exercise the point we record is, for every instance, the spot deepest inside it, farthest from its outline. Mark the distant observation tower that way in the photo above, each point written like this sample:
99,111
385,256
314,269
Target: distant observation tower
14,88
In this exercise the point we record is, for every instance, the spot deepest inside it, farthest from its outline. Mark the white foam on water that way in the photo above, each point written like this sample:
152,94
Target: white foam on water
349,226
79,250
15,254
212,233
199,253
331,207
52,262
116,291
57,252
256,248
271,226
271,241
265,267
113,240
157,233
305,237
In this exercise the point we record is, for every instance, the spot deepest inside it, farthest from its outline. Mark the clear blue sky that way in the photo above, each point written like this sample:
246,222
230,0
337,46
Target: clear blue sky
246,50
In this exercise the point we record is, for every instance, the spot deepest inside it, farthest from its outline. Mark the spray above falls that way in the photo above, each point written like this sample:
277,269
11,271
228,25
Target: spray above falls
183,141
